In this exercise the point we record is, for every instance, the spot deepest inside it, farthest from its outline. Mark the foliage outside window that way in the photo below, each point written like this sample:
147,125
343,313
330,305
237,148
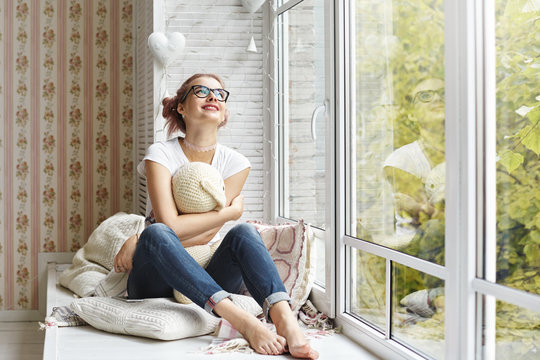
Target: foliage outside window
399,164
399,49
517,41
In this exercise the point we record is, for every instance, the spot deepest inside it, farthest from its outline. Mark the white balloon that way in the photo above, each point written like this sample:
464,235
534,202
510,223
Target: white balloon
252,5
166,47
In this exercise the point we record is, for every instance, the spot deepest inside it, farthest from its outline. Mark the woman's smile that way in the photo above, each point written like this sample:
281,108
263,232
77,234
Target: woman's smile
210,107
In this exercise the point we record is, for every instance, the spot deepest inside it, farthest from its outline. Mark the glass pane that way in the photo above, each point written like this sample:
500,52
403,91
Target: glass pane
303,142
368,290
397,166
418,310
318,253
518,144
517,331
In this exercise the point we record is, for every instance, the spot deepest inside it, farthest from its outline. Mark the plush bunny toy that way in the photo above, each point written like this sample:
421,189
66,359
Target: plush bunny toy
197,188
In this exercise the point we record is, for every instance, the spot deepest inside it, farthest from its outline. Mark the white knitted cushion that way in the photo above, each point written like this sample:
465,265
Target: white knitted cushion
197,188
159,318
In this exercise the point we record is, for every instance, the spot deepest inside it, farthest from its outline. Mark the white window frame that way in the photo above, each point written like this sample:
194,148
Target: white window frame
354,328
470,184
323,298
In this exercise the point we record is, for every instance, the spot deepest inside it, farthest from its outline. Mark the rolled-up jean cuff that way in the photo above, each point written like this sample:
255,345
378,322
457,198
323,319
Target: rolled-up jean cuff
271,300
214,299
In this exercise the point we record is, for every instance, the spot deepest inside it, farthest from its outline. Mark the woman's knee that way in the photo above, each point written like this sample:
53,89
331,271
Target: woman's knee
244,233
157,233
245,230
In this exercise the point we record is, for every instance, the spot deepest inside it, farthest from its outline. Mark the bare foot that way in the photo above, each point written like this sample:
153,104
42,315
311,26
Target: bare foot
287,326
296,342
261,339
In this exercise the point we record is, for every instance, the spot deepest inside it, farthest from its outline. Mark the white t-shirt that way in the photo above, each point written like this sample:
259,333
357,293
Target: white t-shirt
170,154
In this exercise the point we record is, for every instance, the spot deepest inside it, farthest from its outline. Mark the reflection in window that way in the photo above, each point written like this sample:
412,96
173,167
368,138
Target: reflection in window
517,332
398,166
418,310
368,289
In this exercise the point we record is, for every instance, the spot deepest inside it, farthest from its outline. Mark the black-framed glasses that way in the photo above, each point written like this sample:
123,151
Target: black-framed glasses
202,91
426,96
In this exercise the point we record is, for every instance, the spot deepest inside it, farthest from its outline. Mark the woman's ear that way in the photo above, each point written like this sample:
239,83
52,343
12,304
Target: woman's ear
180,109
225,118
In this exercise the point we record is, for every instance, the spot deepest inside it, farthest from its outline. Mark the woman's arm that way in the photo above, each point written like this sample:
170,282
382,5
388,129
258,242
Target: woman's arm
233,187
192,228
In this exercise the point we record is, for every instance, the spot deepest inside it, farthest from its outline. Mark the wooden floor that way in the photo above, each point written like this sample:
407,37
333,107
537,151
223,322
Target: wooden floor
21,341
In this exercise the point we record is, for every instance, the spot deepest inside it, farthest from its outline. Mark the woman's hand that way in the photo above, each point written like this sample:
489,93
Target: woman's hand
123,261
237,207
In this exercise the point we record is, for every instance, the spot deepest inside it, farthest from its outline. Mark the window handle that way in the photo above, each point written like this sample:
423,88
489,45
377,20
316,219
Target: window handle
316,112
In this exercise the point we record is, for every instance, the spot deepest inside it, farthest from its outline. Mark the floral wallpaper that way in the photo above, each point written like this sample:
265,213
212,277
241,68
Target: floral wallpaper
66,144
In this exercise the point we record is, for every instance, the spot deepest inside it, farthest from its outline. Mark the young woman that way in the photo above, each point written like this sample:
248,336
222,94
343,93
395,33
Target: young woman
157,260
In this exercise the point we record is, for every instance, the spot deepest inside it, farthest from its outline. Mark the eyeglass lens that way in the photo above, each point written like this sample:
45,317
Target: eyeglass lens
202,91
428,95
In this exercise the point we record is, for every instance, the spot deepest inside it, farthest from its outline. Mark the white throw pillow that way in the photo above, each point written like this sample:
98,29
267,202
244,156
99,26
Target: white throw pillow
159,318
290,248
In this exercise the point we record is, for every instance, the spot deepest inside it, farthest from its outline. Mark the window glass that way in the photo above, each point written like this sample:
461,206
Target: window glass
368,290
396,169
318,256
418,310
304,144
518,144
517,333
302,120
509,331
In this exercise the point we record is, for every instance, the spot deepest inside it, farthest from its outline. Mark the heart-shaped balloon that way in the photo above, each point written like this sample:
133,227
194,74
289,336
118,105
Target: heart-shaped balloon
252,5
166,47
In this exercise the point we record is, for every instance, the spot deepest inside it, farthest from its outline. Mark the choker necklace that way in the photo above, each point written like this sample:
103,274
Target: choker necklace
198,148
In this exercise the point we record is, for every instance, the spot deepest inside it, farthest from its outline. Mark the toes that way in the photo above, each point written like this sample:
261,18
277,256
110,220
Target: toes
282,344
262,350
273,349
280,347
282,341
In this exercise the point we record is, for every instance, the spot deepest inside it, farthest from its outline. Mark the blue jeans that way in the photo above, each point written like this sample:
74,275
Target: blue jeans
161,264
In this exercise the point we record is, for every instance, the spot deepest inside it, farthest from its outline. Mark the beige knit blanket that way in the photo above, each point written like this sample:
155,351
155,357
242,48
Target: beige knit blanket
92,272
94,261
